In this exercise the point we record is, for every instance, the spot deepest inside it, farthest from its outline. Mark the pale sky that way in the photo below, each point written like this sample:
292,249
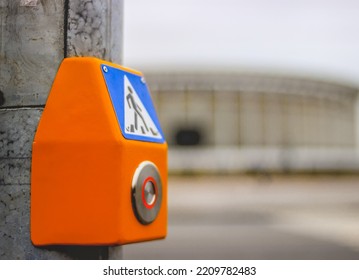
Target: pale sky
311,38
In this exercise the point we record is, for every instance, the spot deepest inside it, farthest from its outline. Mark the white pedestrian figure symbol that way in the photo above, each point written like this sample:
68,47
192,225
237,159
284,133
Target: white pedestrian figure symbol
139,120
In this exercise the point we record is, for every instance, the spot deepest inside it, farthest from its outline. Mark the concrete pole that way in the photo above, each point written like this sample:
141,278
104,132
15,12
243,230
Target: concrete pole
356,126
35,35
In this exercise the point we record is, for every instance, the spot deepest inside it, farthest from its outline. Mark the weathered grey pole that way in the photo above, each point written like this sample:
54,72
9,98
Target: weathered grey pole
35,35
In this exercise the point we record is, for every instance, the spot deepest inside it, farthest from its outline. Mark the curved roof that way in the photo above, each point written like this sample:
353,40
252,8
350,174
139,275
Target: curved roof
246,82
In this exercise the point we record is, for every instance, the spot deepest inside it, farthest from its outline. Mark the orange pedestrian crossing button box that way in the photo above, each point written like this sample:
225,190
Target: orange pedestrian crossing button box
99,159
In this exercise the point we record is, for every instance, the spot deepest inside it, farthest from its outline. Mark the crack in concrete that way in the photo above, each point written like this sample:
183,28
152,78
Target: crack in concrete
3,203
17,108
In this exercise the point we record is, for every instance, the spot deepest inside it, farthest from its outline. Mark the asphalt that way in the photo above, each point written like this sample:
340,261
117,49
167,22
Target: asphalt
258,217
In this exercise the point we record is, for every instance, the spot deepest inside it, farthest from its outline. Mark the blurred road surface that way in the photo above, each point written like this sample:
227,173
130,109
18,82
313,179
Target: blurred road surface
239,217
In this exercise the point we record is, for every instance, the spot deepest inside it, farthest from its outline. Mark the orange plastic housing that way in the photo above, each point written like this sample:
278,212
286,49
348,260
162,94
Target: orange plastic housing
82,166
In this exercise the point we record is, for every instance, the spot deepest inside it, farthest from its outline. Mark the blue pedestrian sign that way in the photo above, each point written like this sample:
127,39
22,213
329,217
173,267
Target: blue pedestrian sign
133,105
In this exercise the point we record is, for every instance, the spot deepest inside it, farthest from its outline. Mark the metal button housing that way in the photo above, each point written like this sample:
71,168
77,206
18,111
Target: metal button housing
146,192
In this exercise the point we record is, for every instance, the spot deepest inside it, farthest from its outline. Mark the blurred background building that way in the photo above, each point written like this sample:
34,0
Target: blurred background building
216,122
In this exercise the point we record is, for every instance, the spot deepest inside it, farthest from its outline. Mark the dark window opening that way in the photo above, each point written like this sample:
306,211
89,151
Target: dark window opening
188,137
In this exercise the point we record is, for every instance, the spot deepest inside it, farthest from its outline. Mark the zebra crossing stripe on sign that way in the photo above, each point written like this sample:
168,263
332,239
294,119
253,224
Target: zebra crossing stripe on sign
133,105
